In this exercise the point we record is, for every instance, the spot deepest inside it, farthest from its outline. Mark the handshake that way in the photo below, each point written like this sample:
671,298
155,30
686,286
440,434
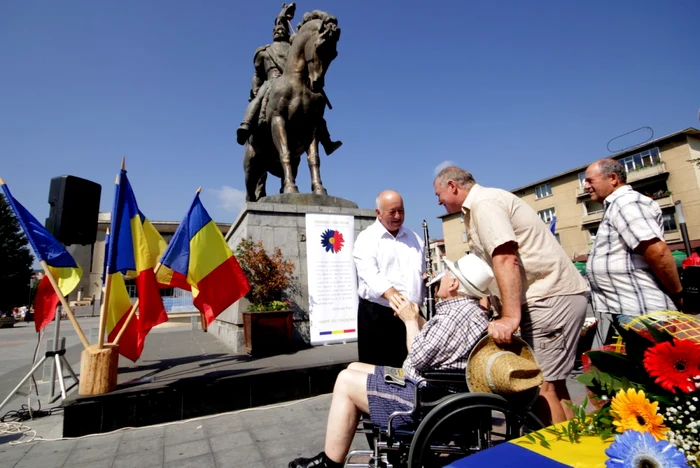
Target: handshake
404,309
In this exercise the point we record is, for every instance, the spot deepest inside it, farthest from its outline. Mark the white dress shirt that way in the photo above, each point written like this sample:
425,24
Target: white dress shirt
383,261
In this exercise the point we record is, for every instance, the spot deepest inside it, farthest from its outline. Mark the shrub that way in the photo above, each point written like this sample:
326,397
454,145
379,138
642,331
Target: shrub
269,275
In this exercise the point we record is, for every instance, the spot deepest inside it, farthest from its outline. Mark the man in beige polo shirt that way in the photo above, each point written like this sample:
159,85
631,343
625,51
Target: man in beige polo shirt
540,290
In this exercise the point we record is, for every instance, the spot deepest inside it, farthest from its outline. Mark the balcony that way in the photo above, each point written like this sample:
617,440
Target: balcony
646,172
581,192
593,217
672,236
665,202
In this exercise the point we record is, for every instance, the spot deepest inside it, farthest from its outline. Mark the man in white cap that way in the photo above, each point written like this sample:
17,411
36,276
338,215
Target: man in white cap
442,343
541,291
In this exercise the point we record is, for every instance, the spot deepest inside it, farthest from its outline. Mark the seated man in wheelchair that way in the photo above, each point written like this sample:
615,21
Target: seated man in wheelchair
442,343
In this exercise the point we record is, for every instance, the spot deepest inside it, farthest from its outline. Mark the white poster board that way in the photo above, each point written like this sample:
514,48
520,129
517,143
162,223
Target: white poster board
331,278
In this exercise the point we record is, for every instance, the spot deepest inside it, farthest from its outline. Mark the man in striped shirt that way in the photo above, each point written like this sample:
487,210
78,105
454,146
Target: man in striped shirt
630,267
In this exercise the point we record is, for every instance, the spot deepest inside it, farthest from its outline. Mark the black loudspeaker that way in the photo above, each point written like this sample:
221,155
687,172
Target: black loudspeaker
75,204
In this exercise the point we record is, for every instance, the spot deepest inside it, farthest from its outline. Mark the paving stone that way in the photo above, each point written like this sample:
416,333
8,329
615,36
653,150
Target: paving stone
138,445
187,432
103,463
144,433
202,461
14,452
186,450
238,457
233,440
139,459
110,439
54,460
223,425
48,448
86,454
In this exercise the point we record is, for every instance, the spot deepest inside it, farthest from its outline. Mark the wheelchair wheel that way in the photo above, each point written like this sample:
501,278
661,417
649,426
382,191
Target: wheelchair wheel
464,424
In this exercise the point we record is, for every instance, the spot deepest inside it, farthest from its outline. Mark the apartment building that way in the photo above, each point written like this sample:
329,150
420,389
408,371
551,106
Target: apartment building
437,254
660,169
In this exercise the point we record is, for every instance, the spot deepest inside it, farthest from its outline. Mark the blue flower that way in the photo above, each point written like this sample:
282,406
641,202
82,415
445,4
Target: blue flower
633,449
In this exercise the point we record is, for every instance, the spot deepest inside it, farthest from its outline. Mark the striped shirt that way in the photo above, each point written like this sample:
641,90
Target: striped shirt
446,340
621,280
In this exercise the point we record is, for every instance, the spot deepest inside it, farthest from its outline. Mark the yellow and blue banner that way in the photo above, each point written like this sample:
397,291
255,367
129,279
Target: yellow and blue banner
62,266
133,249
198,259
588,452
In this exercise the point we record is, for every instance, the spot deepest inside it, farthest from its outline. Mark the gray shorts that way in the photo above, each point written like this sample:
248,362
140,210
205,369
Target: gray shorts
552,326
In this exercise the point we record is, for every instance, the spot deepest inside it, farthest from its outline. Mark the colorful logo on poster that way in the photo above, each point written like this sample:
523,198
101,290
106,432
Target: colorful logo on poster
332,241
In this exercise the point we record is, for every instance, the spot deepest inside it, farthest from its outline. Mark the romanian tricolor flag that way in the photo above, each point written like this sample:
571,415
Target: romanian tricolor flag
588,452
47,249
198,259
133,249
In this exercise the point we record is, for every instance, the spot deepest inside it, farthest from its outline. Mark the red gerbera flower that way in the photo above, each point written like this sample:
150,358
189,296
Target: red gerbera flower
674,365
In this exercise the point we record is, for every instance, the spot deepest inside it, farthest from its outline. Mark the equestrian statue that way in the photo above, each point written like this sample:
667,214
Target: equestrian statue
284,118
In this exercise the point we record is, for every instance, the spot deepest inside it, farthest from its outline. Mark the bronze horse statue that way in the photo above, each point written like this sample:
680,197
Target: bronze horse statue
291,111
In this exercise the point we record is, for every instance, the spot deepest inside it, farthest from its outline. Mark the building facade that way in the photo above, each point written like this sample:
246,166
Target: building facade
661,169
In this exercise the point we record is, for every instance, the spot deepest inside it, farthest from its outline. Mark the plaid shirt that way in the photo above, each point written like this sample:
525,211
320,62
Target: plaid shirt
621,280
445,340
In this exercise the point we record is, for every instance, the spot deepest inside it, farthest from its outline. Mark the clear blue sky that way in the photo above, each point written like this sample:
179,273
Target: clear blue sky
512,91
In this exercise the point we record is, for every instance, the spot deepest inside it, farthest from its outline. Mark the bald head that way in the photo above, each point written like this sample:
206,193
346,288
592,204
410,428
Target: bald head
389,210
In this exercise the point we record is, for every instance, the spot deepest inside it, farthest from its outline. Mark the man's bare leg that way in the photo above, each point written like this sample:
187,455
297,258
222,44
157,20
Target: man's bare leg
555,394
349,399
362,367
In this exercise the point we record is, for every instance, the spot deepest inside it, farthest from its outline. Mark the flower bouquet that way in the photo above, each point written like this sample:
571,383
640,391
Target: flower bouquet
650,392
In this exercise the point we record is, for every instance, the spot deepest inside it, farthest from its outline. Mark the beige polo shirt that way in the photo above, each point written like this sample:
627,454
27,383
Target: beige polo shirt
494,217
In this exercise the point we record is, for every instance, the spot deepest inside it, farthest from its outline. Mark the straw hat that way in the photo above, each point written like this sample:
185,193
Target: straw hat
474,274
504,369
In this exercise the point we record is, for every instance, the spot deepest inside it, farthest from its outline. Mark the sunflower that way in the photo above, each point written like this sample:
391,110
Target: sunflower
632,410
674,365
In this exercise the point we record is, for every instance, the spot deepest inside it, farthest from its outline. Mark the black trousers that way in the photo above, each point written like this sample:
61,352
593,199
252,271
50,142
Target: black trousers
381,337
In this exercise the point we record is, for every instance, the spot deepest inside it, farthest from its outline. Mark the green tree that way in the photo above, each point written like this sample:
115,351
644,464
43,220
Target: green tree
15,260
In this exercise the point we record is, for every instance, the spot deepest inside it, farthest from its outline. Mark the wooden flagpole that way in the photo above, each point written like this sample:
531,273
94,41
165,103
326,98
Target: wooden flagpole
65,305
104,307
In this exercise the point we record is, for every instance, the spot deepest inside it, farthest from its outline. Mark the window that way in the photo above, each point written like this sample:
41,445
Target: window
639,160
546,215
592,207
464,236
669,221
542,191
581,178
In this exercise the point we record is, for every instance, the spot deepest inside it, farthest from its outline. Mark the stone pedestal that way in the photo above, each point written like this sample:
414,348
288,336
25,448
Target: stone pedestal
280,221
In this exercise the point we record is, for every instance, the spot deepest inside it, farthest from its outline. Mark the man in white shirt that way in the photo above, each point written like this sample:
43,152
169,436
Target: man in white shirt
390,260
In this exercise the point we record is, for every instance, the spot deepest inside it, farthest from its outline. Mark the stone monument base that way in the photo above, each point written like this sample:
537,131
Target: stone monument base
280,221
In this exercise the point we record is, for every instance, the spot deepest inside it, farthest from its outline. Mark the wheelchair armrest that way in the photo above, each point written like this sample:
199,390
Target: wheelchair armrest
446,375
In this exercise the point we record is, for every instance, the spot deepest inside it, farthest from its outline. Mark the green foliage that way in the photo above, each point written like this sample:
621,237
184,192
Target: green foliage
269,275
15,260
598,424
272,306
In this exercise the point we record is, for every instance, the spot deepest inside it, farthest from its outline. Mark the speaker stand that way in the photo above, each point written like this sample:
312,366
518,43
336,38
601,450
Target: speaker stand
59,360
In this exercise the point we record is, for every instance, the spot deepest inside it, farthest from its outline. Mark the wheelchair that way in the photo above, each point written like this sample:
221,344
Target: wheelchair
449,424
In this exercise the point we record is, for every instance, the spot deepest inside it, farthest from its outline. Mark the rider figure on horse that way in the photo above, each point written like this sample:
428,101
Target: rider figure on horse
269,62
